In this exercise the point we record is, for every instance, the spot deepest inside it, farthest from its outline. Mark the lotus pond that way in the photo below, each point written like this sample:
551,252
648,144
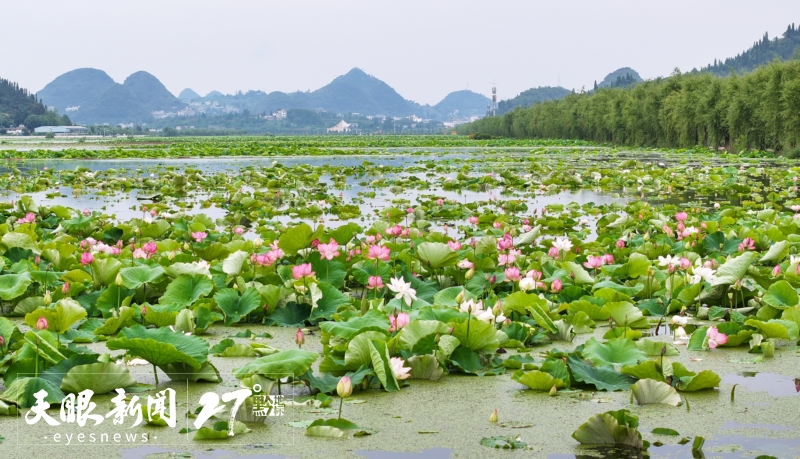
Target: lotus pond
432,300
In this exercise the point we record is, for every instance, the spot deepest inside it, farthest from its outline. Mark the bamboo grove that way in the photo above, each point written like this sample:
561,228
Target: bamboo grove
757,110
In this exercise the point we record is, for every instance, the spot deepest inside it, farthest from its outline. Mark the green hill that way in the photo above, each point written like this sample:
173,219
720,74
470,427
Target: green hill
148,92
115,105
18,106
530,97
78,87
187,95
466,102
620,78
762,52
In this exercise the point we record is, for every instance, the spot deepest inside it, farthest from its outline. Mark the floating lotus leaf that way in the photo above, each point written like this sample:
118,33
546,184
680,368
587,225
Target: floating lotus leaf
137,276
100,378
60,317
650,391
292,362
610,428
186,289
161,346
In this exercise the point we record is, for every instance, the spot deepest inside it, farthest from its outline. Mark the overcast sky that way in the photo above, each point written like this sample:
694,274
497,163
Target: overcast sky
424,49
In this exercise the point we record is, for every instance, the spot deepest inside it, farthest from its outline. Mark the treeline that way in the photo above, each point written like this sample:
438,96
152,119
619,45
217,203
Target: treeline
762,52
759,110
18,106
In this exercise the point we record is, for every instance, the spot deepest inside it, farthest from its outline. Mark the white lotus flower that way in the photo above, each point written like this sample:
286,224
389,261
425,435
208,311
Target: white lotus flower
703,273
679,320
526,283
403,290
669,260
471,307
562,243
488,316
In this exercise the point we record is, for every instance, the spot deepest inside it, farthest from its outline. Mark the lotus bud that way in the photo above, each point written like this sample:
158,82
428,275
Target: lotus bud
257,243
118,280
41,324
65,288
299,338
553,391
776,271
450,330
38,260
48,298
345,388
470,273
144,309
497,309
2,341
437,338
493,417
460,297
171,255
186,246
493,280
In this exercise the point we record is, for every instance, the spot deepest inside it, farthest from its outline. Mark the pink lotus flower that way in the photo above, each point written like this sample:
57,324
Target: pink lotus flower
153,212
553,252
608,259
400,372
465,264
534,274
374,282
378,252
667,230
371,239
556,286
505,243
455,246
41,324
497,225
65,288
394,231
513,274
473,220
398,322
620,244
747,244
503,259
410,210
776,271
685,263
199,236
87,212
301,271
139,253
593,262
150,248
440,202
238,230
329,251
715,338
30,217
681,216
87,258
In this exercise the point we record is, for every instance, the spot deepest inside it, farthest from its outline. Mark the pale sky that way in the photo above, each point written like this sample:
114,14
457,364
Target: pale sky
424,49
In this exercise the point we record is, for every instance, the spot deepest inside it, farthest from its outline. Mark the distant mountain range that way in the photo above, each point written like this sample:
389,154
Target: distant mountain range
762,52
90,96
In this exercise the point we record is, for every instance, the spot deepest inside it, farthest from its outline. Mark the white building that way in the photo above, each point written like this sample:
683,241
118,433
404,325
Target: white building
342,126
62,130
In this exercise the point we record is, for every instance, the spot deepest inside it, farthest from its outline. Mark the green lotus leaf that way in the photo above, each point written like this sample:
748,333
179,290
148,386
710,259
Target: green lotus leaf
235,307
776,252
113,324
691,382
44,344
781,295
9,331
601,377
178,269
161,346
186,289
14,285
653,348
610,428
734,269
325,307
372,320
105,270
563,332
648,369
626,314
204,318
292,315
775,328
538,380
382,366
291,362
21,240
296,238
481,336
419,336
57,372
425,367
792,314
650,391
181,371
629,291
137,276
99,377
616,352
448,296
220,431
581,322
436,255
60,317
581,275
155,229
325,432
21,392
469,361
637,266
358,353
232,265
